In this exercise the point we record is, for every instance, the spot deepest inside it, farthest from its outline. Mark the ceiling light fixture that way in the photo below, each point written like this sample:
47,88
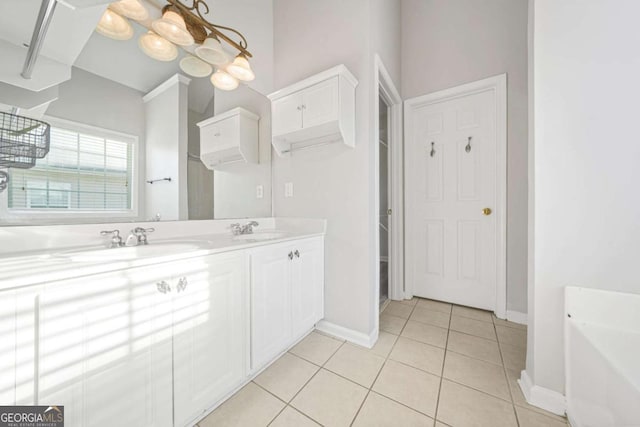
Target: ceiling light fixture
183,25
114,26
224,81
157,47
132,9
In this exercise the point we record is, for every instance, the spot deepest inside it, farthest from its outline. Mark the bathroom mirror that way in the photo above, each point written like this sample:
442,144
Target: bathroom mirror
125,141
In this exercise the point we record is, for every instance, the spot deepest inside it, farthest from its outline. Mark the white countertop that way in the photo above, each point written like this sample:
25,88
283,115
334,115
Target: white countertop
49,265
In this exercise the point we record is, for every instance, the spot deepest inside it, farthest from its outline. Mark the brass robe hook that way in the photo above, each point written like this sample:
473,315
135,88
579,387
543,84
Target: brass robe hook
468,147
433,150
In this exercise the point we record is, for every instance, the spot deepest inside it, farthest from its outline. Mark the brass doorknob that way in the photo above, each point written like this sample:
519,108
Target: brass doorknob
487,211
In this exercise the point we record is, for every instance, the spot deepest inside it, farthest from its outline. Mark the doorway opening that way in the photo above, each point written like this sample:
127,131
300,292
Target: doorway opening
384,210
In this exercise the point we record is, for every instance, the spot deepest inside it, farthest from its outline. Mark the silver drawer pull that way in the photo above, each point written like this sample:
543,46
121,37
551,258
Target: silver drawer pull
297,253
182,284
163,287
290,255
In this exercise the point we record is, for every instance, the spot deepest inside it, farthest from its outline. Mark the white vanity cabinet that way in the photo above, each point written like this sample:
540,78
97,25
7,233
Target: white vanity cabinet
287,285
144,345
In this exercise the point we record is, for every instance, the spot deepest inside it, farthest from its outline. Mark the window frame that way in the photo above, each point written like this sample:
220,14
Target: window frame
21,216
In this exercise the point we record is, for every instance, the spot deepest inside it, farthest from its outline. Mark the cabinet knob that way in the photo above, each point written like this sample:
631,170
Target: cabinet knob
182,284
290,255
163,287
297,253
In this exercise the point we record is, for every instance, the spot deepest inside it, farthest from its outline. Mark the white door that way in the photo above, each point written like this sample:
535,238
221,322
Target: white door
209,333
320,103
287,114
270,303
451,178
307,285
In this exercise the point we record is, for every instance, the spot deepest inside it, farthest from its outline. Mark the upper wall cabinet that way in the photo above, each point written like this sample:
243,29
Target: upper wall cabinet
229,138
315,111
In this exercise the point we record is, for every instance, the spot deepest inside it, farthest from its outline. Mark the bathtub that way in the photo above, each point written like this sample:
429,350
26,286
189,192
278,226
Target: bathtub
602,358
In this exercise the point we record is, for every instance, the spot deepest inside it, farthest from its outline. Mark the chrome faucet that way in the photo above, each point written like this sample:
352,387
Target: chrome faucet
237,229
138,236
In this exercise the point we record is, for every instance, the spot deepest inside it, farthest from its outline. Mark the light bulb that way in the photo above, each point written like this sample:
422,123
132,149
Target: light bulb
157,47
114,26
224,81
132,9
212,52
195,67
173,28
240,69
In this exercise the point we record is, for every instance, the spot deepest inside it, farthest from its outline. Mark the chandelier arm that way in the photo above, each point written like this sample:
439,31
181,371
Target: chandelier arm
215,29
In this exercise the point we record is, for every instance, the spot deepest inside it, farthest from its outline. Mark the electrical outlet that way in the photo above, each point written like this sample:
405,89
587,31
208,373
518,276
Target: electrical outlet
288,189
259,192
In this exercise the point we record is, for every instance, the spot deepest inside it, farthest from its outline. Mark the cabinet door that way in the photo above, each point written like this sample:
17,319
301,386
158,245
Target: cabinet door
271,329
307,285
221,134
103,352
287,114
209,333
320,103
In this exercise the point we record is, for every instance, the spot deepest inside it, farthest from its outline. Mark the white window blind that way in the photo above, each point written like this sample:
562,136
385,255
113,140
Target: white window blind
82,172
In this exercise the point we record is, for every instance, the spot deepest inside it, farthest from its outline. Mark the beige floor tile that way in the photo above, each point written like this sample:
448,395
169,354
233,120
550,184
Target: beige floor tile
356,363
462,406
316,348
436,318
392,324
409,386
483,376
378,411
397,309
519,400
251,406
513,357
439,424
411,302
472,313
528,418
292,418
476,347
384,344
473,327
432,305
330,399
425,333
422,356
511,336
506,323
286,376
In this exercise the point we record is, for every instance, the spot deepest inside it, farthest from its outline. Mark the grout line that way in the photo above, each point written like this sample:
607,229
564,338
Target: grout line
444,360
506,377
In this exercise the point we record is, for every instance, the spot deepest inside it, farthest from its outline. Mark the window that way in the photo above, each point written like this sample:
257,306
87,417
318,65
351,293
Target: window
86,170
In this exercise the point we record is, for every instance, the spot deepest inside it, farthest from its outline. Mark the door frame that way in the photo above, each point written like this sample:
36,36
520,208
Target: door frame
385,88
497,84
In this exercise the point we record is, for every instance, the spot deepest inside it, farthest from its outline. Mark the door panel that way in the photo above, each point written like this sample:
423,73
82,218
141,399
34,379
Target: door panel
451,154
307,285
321,103
287,114
271,329
209,333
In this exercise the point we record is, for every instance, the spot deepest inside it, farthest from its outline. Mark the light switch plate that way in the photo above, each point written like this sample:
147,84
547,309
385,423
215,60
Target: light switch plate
259,192
288,189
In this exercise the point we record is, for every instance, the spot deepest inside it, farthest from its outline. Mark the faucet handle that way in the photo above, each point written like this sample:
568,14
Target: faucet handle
235,228
253,223
116,240
140,230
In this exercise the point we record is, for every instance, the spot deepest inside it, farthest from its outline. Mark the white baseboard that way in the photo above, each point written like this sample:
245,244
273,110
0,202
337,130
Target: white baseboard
541,397
517,317
347,334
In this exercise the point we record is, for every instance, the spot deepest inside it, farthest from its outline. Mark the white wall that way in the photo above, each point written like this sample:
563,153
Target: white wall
587,209
166,149
447,43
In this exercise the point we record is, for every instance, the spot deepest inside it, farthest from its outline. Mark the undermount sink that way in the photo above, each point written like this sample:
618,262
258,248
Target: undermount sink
258,236
130,253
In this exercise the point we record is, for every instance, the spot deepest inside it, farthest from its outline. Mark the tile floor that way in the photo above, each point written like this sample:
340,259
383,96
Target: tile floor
435,364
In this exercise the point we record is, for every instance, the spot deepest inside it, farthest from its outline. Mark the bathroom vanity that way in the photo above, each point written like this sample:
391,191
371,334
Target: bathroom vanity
155,335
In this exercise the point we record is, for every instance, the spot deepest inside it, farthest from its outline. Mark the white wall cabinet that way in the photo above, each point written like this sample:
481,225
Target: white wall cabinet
286,296
317,110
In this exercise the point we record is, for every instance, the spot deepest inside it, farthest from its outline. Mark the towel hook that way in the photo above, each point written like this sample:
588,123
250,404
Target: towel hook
468,147
433,150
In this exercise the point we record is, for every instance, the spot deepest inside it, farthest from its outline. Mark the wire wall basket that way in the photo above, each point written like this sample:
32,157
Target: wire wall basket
22,141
